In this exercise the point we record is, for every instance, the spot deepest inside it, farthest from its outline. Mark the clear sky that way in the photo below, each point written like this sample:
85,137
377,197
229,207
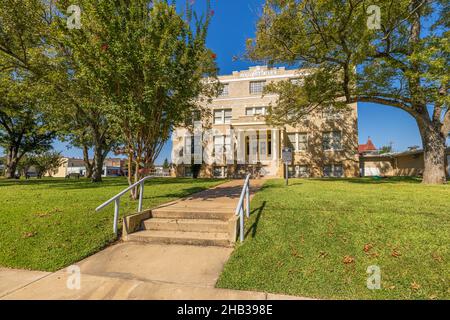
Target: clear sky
233,22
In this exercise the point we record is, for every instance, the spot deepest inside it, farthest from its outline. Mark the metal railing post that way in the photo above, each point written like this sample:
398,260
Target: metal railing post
241,224
141,195
116,214
247,196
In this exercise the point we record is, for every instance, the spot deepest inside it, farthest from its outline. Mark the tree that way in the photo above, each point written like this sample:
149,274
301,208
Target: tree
144,66
385,149
166,164
404,63
46,163
34,39
23,125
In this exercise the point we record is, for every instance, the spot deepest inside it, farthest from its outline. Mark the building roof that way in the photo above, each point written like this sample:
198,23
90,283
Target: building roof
369,146
400,154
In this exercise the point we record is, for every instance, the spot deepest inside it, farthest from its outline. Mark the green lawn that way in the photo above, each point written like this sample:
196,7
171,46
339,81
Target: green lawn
316,238
51,223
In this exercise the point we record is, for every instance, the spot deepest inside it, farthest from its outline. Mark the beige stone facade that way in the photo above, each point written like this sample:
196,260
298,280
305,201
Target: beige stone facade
325,144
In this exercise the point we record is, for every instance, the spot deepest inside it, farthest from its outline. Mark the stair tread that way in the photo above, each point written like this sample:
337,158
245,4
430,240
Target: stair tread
194,209
181,234
186,221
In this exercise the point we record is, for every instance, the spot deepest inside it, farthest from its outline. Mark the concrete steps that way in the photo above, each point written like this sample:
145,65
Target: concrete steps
203,219
193,213
182,237
186,225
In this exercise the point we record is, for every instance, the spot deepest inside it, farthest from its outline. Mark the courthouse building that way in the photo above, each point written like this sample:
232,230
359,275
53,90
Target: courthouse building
324,144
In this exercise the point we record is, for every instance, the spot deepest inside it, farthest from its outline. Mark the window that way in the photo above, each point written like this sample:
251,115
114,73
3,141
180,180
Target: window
188,171
333,170
189,145
292,140
302,171
332,140
298,141
302,142
227,116
256,87
330,113
219,172
225,90
222,116
255,111
222,144
299,171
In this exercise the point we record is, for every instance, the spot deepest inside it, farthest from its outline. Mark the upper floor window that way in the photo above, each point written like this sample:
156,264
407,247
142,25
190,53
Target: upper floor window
330,113
298,141
222,116
225,90
255,111
332,140
257,87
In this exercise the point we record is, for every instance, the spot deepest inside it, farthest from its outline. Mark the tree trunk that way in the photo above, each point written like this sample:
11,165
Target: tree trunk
89,166
98,164
12,160
434,154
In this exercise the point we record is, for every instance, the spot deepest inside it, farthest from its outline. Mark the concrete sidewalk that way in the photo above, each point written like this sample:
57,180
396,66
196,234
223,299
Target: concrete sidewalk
133,271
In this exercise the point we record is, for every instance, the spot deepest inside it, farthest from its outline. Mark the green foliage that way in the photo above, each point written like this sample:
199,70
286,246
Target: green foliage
166,164
404,63
46,163
385,149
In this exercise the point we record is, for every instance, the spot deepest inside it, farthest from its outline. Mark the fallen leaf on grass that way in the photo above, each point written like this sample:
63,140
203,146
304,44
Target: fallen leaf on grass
348,260
395,253
367,247
29,234
391,287
415,286
437,257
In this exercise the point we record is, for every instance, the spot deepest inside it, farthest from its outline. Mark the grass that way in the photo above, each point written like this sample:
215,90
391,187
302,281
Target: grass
51,223
316,238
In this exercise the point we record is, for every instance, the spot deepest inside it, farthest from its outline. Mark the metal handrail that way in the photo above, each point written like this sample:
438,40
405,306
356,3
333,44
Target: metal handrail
117,197
240,207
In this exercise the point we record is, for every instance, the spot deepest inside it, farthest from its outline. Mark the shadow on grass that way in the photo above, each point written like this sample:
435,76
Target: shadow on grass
83,183
373,180
253,228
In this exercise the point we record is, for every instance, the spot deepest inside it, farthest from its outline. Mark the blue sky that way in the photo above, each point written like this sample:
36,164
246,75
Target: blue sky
234,21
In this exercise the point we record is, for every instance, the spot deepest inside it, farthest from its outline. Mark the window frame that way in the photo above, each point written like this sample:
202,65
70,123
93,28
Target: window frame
332,141
225,92
333,169
253,85
253,111
297,141
223,118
